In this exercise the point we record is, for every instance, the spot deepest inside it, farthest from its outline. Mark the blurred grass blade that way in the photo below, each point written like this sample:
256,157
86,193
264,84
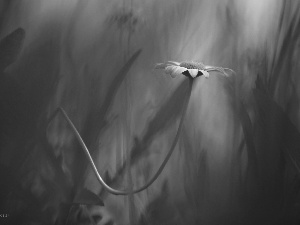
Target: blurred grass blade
288,136
164,117
96,120
91,128
117,81
283,53
10,47
248,134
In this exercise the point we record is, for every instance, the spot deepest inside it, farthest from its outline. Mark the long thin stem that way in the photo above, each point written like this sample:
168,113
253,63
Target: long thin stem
87,153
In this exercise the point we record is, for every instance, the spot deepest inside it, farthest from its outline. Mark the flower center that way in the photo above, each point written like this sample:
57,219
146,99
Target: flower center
193,65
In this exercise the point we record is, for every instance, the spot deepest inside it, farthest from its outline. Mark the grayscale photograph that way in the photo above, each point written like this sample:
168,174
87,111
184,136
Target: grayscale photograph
150,112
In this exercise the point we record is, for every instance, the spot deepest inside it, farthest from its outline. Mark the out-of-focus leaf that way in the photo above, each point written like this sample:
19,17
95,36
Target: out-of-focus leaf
10,47
164,117
248,134
26,93
101,113
116,83
107,177
87,197
91,129
196,166
11,94
283,52
287,135
37,72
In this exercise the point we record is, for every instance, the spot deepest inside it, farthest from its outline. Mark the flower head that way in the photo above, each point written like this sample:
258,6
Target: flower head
189,69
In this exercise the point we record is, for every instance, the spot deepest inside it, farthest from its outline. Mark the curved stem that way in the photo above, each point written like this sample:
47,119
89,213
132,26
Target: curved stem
87,153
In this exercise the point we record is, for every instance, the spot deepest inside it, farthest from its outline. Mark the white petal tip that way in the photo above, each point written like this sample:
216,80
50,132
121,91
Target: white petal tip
193,72
205,74
174,63
160,66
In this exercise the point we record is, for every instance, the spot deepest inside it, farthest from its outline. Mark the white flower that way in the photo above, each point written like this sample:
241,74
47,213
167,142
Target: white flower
189,69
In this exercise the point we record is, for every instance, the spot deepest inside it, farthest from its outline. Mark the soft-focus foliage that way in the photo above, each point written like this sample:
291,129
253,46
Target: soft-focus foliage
238,157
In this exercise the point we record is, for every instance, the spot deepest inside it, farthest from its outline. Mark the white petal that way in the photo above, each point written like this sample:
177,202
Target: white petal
217,69
205,73
193,72
178,70
169,69
164,65
174,71
232,71
160,66
174,63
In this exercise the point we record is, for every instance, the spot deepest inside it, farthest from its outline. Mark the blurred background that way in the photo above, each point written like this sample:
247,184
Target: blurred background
237,160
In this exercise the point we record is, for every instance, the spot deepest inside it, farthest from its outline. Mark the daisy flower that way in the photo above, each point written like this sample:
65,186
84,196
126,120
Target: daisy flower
190,69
